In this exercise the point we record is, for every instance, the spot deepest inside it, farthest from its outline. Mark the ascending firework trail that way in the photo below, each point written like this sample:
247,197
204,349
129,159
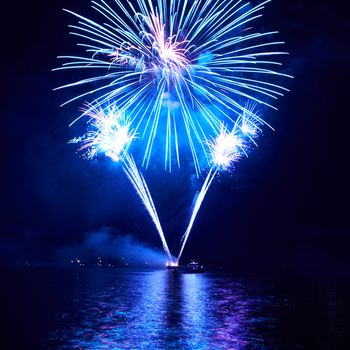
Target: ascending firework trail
187,76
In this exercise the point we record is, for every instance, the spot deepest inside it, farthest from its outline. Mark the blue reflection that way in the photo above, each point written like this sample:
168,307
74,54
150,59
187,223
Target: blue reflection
162,310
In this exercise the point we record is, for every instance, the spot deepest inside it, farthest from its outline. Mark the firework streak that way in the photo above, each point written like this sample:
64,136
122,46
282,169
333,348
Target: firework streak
179,77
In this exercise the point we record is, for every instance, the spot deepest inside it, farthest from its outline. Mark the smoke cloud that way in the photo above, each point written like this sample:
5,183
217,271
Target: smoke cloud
115,246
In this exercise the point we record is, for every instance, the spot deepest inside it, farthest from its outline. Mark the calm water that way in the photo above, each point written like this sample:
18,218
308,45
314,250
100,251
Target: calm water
121,309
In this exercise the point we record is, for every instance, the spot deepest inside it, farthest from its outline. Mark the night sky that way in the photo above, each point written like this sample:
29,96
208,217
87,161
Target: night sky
284,207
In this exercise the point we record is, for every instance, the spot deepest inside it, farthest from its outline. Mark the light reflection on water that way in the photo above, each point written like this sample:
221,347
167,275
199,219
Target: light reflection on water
162,310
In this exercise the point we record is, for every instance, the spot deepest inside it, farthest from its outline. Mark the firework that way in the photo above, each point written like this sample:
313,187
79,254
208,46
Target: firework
197,205
188,76
226,149
203,57
109,134
143,192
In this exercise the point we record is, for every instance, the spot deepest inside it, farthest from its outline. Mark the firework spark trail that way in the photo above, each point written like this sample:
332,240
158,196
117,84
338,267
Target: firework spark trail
188,72
139,183
205,55
198,203
109,133
225,150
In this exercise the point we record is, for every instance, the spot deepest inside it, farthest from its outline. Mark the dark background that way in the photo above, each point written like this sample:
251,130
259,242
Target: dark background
284,208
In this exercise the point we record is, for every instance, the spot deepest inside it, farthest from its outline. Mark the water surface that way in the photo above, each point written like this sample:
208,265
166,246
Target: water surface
123,309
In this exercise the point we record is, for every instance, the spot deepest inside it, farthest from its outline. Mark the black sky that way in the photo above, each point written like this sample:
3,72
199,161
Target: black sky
287,205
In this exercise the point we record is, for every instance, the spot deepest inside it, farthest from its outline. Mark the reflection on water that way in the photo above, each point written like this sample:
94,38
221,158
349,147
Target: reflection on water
163,310
50,308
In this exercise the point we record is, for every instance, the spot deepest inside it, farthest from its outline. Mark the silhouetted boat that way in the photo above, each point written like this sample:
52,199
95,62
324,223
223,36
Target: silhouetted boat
194,267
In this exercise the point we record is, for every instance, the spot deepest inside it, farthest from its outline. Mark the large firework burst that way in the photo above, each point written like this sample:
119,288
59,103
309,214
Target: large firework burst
180,69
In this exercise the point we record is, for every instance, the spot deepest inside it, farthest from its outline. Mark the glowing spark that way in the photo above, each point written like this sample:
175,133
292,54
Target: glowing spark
143,192
198,203
226,148
189,74
250,126
108,133
246,129
206,57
